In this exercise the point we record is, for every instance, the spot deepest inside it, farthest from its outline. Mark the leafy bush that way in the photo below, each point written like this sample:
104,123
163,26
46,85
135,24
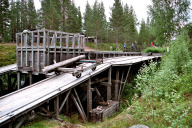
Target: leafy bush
166,90
154,50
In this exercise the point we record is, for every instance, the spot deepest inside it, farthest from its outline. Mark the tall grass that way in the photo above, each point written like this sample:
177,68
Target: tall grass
7,55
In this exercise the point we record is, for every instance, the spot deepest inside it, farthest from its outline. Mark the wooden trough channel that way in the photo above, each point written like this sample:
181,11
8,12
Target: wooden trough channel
95,95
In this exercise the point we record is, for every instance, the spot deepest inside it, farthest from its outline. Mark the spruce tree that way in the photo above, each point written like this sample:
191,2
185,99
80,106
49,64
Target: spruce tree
88,20
117,20
32,15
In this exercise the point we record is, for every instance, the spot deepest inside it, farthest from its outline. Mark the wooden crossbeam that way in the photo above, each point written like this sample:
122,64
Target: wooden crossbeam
123,84
66,97
79,108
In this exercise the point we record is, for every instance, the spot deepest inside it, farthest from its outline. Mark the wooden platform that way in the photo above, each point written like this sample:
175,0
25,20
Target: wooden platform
26,99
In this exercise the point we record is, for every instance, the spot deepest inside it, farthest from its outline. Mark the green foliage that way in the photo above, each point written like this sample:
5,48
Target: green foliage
4,16
154,50
166,90
106,46
167,16
7,55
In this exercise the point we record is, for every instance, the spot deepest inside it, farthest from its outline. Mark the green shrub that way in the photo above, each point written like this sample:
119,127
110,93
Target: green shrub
154,50
168,86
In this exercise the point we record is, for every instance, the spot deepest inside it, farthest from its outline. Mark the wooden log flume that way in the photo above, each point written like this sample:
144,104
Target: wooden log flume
62,63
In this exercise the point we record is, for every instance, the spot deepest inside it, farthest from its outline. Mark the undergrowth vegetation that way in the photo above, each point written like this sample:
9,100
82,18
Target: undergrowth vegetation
7,55
155,50
167,90
106,46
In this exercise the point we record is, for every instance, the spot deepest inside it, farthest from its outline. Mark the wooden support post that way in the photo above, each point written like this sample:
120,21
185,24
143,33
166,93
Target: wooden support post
9,82
30,78
89,97
56,107
18,80
10,125
117,84
67,106
38,52
32,54
109,85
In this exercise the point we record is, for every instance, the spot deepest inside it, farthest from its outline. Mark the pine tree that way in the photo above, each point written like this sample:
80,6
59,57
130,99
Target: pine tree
167,17
88,20
117,20
79,20
32,15
142,33
13,19
4,16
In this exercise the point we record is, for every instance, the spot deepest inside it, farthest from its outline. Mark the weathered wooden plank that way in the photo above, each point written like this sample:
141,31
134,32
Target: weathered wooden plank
54,66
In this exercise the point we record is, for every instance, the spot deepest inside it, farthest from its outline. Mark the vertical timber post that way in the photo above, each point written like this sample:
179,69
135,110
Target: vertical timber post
117,84
109,85
10,125
56,107
89,97
9,82
18,80
30,78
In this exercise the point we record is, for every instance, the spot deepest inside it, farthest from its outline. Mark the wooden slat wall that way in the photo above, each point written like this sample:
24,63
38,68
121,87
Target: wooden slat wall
36,52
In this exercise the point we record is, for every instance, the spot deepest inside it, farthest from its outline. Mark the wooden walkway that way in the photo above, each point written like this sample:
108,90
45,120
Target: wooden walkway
8,68
15,104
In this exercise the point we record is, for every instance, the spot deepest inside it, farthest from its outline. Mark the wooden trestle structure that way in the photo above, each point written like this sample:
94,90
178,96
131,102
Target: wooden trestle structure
95,95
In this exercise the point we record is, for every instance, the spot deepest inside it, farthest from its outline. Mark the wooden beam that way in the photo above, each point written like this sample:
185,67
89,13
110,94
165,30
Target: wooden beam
18,80
63,103
22,121
54,66
117,85
123,84
99,94
30,78
80,103
56,107
10,125
78,107
109,86
89,97
46,111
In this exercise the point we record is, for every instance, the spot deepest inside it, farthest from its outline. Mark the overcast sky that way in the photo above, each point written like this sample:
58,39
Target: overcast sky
140,6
